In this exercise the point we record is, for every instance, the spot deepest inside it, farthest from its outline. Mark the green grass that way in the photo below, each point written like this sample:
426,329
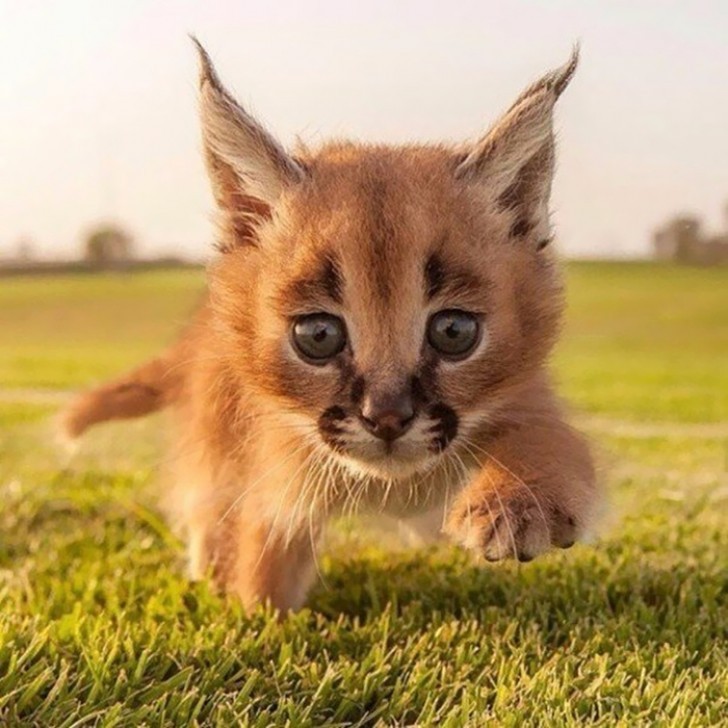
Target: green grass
59,332
98,625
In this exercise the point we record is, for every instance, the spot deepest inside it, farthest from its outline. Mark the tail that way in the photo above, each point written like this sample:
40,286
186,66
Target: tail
153,386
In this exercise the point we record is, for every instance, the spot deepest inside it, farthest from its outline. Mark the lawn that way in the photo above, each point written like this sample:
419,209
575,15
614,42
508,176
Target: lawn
98,625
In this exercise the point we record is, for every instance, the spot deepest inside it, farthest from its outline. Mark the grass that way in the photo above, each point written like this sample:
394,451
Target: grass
98,625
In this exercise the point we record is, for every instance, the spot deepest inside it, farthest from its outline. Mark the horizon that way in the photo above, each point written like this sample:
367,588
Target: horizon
101,121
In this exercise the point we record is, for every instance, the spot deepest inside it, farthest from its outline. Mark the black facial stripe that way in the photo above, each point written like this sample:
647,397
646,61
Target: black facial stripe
332,415
352,387
329,425
331,279
446,428
357,389
347,376
434,276
325,282
419,393
449,279
424,383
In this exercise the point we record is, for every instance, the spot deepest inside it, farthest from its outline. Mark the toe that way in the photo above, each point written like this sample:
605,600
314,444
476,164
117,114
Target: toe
564,529
532,536
499,542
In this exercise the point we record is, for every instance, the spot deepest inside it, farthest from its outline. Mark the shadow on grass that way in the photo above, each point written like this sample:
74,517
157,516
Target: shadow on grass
587,593
610,592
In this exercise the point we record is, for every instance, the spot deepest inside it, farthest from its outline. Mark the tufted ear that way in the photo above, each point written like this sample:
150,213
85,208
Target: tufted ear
248,167
514,161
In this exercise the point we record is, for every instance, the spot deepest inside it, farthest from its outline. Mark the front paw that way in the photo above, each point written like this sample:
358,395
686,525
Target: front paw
511,524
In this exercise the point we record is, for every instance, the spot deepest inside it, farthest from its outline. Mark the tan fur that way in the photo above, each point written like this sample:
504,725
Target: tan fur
271,446
146,389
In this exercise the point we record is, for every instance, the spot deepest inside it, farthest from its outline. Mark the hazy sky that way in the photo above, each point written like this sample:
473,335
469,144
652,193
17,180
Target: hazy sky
98,119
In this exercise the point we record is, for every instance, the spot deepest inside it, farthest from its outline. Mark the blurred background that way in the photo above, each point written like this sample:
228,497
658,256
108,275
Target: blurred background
99,136
104,224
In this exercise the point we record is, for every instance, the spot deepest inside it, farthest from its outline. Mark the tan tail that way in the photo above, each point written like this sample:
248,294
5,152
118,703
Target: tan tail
148,388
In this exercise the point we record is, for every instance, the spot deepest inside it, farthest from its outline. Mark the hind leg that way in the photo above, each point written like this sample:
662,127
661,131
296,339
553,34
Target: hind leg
255,558
250,523
194,509
198,554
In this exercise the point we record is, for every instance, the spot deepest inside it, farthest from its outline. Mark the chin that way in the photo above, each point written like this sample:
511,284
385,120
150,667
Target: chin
390,466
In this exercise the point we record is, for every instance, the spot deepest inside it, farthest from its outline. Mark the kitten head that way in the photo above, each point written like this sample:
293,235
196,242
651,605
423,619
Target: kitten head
389,299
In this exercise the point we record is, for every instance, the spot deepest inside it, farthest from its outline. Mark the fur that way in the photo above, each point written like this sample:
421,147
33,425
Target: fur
272,445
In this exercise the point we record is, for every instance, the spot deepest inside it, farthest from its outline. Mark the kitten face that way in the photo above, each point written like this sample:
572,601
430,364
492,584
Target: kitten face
386,299
390,309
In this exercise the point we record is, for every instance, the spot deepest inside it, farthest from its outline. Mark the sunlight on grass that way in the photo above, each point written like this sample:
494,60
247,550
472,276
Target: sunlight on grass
98,623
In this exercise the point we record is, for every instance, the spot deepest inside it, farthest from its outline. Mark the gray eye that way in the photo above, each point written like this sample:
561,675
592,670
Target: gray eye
453,333
318,336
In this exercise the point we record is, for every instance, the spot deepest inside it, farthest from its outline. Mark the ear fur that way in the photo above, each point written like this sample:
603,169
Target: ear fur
515,158
247,166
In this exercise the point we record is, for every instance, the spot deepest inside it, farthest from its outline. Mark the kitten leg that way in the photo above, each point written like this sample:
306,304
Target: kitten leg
248,555
194,507
187,505
272,566
197,557
535,489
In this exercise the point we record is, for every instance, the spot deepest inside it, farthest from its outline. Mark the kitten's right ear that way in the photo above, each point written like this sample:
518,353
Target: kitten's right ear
248,167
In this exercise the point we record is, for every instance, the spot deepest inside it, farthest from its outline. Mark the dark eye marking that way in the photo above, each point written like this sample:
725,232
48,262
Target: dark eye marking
441,278
434,275
424,382
325,283
331,279
419,392
357,389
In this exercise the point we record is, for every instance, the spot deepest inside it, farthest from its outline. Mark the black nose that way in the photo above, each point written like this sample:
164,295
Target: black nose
387,416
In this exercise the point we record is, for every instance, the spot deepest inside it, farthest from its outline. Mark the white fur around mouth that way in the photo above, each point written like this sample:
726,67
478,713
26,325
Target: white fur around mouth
387,467
366,456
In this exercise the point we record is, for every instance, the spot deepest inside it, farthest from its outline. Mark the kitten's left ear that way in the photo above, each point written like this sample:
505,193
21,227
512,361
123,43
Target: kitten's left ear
514,161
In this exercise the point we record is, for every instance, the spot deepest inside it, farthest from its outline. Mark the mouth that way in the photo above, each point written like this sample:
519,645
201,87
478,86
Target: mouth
386,466
418,451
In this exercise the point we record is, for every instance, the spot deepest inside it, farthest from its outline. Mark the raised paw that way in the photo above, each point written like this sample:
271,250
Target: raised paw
511,525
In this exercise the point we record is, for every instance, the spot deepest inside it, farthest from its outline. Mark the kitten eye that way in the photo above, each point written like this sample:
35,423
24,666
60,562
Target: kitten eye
318,336
453,333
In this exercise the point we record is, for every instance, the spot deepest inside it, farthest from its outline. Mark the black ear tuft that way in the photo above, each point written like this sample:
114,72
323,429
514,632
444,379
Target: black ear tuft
544,243
520,228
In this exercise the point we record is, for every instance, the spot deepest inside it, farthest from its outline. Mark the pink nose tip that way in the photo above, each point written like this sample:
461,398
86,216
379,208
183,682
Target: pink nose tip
387,417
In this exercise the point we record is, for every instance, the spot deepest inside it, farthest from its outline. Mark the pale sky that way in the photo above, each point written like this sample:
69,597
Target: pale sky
98,103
